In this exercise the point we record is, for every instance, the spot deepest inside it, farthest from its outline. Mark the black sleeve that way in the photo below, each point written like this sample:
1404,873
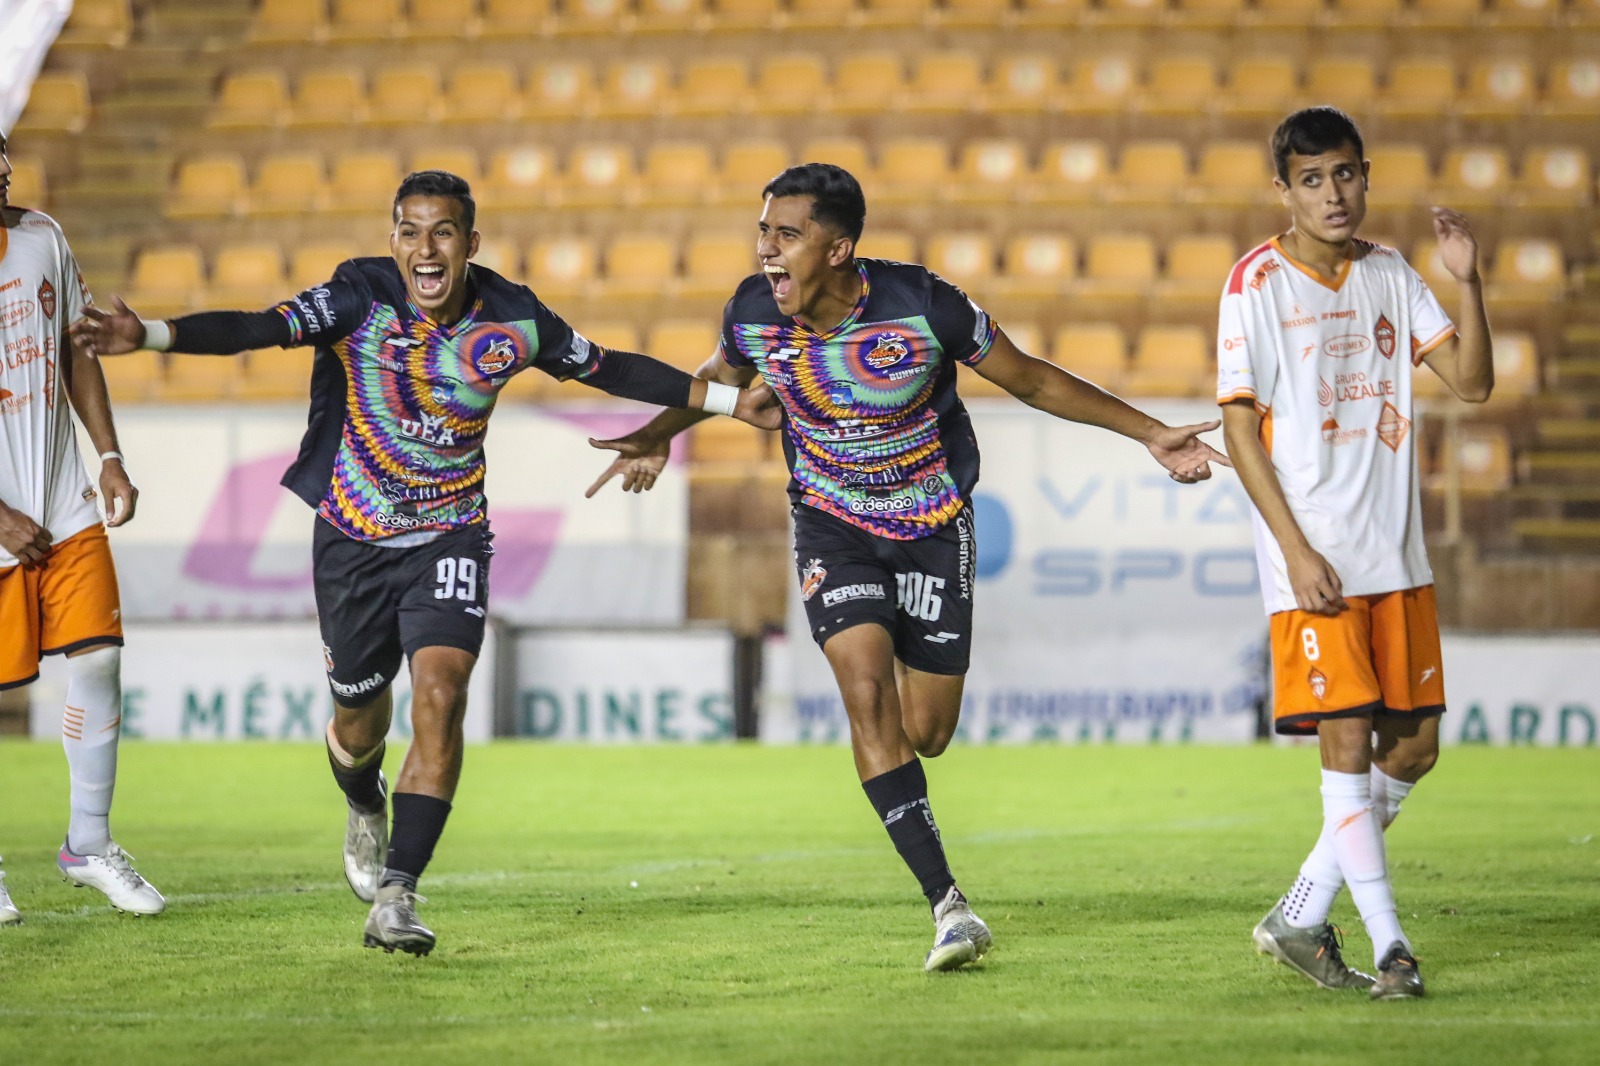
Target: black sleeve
639,377
961,327
226,332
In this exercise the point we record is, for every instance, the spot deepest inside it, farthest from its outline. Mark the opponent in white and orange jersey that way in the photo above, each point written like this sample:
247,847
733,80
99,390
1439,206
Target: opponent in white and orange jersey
1318,336
58,588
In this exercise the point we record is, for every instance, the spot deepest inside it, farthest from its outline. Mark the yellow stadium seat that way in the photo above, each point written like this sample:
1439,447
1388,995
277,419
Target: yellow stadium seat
1523,12
1178,85
1102,86
590,16
1297,13
747,166
868,83
1573,90
945,82
1425,259
288,184
365,20
1072,172
1132,13
1171,361
483,92
1498,88
974,13
1094,351
1195,271
1444,14
1259,87
712,86
599,175
686,343
563,268
1399,177
640,268
252,100
442,19
1528,273
28,185
714,264
1150,172
98,24
895,246
991,172
965,259
517,18
200,378
849,153
290,22
277,374
788,84
57,103
131,378
635,88
912,169
210,186
677,174
728,441
499,255
1235,174
1374,14
462,162
167,280
1474,177
821,14
1556,177
329,98
521,178
903,14
313,263
560,90
406,94
1419,88
1118,269
1210,14
613,336
1038,266
1025,84
1473,456
743,15
1051,14
1349,84
364,183
671,16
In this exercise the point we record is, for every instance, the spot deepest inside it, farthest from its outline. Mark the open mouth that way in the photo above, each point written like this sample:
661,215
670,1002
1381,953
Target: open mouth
428,279
1338,218
779,278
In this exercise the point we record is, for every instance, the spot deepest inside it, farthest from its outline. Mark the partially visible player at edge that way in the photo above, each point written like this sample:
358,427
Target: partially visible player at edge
1317,338
411,354
58,585
862,354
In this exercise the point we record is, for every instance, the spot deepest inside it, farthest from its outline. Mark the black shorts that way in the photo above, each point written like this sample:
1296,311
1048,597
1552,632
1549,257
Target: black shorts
919,590
375,603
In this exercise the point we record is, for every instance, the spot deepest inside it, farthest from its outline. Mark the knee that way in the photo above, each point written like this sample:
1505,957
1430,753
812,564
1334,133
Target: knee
439,697
870,702
931,740
1411,765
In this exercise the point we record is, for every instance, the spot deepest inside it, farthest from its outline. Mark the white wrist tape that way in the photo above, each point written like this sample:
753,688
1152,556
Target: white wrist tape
720,399
157,334
106,457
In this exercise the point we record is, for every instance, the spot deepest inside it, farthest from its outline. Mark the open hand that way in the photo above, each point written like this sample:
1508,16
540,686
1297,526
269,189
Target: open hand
1187,458
1458,248
114,332
640,460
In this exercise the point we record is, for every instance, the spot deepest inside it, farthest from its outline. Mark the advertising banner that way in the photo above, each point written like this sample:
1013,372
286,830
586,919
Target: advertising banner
1522,690
217,538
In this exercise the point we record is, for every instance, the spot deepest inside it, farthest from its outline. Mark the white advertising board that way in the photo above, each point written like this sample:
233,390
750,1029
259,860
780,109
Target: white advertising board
1522,690
239,681
623,687
217,538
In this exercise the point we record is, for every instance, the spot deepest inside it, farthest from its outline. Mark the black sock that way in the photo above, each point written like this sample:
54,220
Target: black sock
418,822
901,799
360,785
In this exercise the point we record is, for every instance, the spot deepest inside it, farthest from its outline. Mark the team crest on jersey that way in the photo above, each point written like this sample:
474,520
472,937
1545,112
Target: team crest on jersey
494,349
1393,427
47,298
1319,683
888,351
811,579
1384,332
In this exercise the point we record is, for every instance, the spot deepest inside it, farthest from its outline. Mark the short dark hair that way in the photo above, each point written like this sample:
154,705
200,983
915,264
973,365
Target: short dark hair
1312,131
438,183
836,198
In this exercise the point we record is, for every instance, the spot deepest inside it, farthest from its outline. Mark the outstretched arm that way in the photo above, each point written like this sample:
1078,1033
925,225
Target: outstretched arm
120,330
1466,361
1047,387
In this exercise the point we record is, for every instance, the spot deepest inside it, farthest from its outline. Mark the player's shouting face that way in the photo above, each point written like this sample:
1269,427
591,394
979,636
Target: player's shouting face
1326,194
799,255
431,245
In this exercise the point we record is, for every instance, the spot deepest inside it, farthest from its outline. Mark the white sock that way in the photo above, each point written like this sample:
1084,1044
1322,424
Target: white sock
1358,842
89,731
1387,795
1310,898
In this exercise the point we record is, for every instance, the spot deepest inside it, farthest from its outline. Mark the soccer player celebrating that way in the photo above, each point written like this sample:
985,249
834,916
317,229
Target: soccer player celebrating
58,586
862,355
412,352
1317,338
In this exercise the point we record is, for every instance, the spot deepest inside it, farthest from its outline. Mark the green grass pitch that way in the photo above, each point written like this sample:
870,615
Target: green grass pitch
741,904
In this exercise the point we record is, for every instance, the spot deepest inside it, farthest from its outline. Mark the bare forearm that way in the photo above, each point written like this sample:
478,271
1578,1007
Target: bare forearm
1474,348
1065,395
92,402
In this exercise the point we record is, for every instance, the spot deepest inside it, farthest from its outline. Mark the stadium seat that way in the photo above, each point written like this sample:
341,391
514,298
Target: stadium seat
313,263
28,184
1171,361
743,15
167,280
1474,177
846,152
210,186
1516,364
1526,274
911,170
1507,13
277,374
1072,172
669,16
634,88
1120,14
1275,14
289,184
895,246
945,83
517,18
1094,351
1118,269
821,14
1399,177
1419,88
1350,84
1559,178
559,90
1150,172
251,100
677,174
97,24
728,441
365,21
1177,85
363,183
590,16
1051,14
686,343
789,84
965,259
563,268
599,175
462,162
615,336
1573,90
199,379
714,264
639,269
712,86
1424,259
483,92
1023,84
1365,14
897,14
747,166
329,98
1443,14
1100,86
991,172
132,378
983,14
1258,88
433,20
521,178
1234,174
1196,268
867,83
1038,266
1209,14
1499,88
57,103
406,94
290,22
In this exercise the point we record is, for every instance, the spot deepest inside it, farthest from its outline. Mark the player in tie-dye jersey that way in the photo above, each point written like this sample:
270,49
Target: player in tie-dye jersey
862,354
412,352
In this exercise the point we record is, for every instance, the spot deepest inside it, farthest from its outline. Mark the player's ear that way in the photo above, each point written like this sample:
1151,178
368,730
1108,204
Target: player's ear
1366,175
472,244
842,252
394,240
1283,190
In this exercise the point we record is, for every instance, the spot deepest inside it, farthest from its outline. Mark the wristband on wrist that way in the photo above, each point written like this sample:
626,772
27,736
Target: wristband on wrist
157,334
106,457
720,399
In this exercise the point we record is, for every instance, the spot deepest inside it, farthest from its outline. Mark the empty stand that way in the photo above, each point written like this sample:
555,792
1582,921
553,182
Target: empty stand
251,100
57,103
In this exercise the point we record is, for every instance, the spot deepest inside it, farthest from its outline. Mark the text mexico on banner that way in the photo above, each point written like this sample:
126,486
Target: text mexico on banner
1112,602
260,681
217,538
623,687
